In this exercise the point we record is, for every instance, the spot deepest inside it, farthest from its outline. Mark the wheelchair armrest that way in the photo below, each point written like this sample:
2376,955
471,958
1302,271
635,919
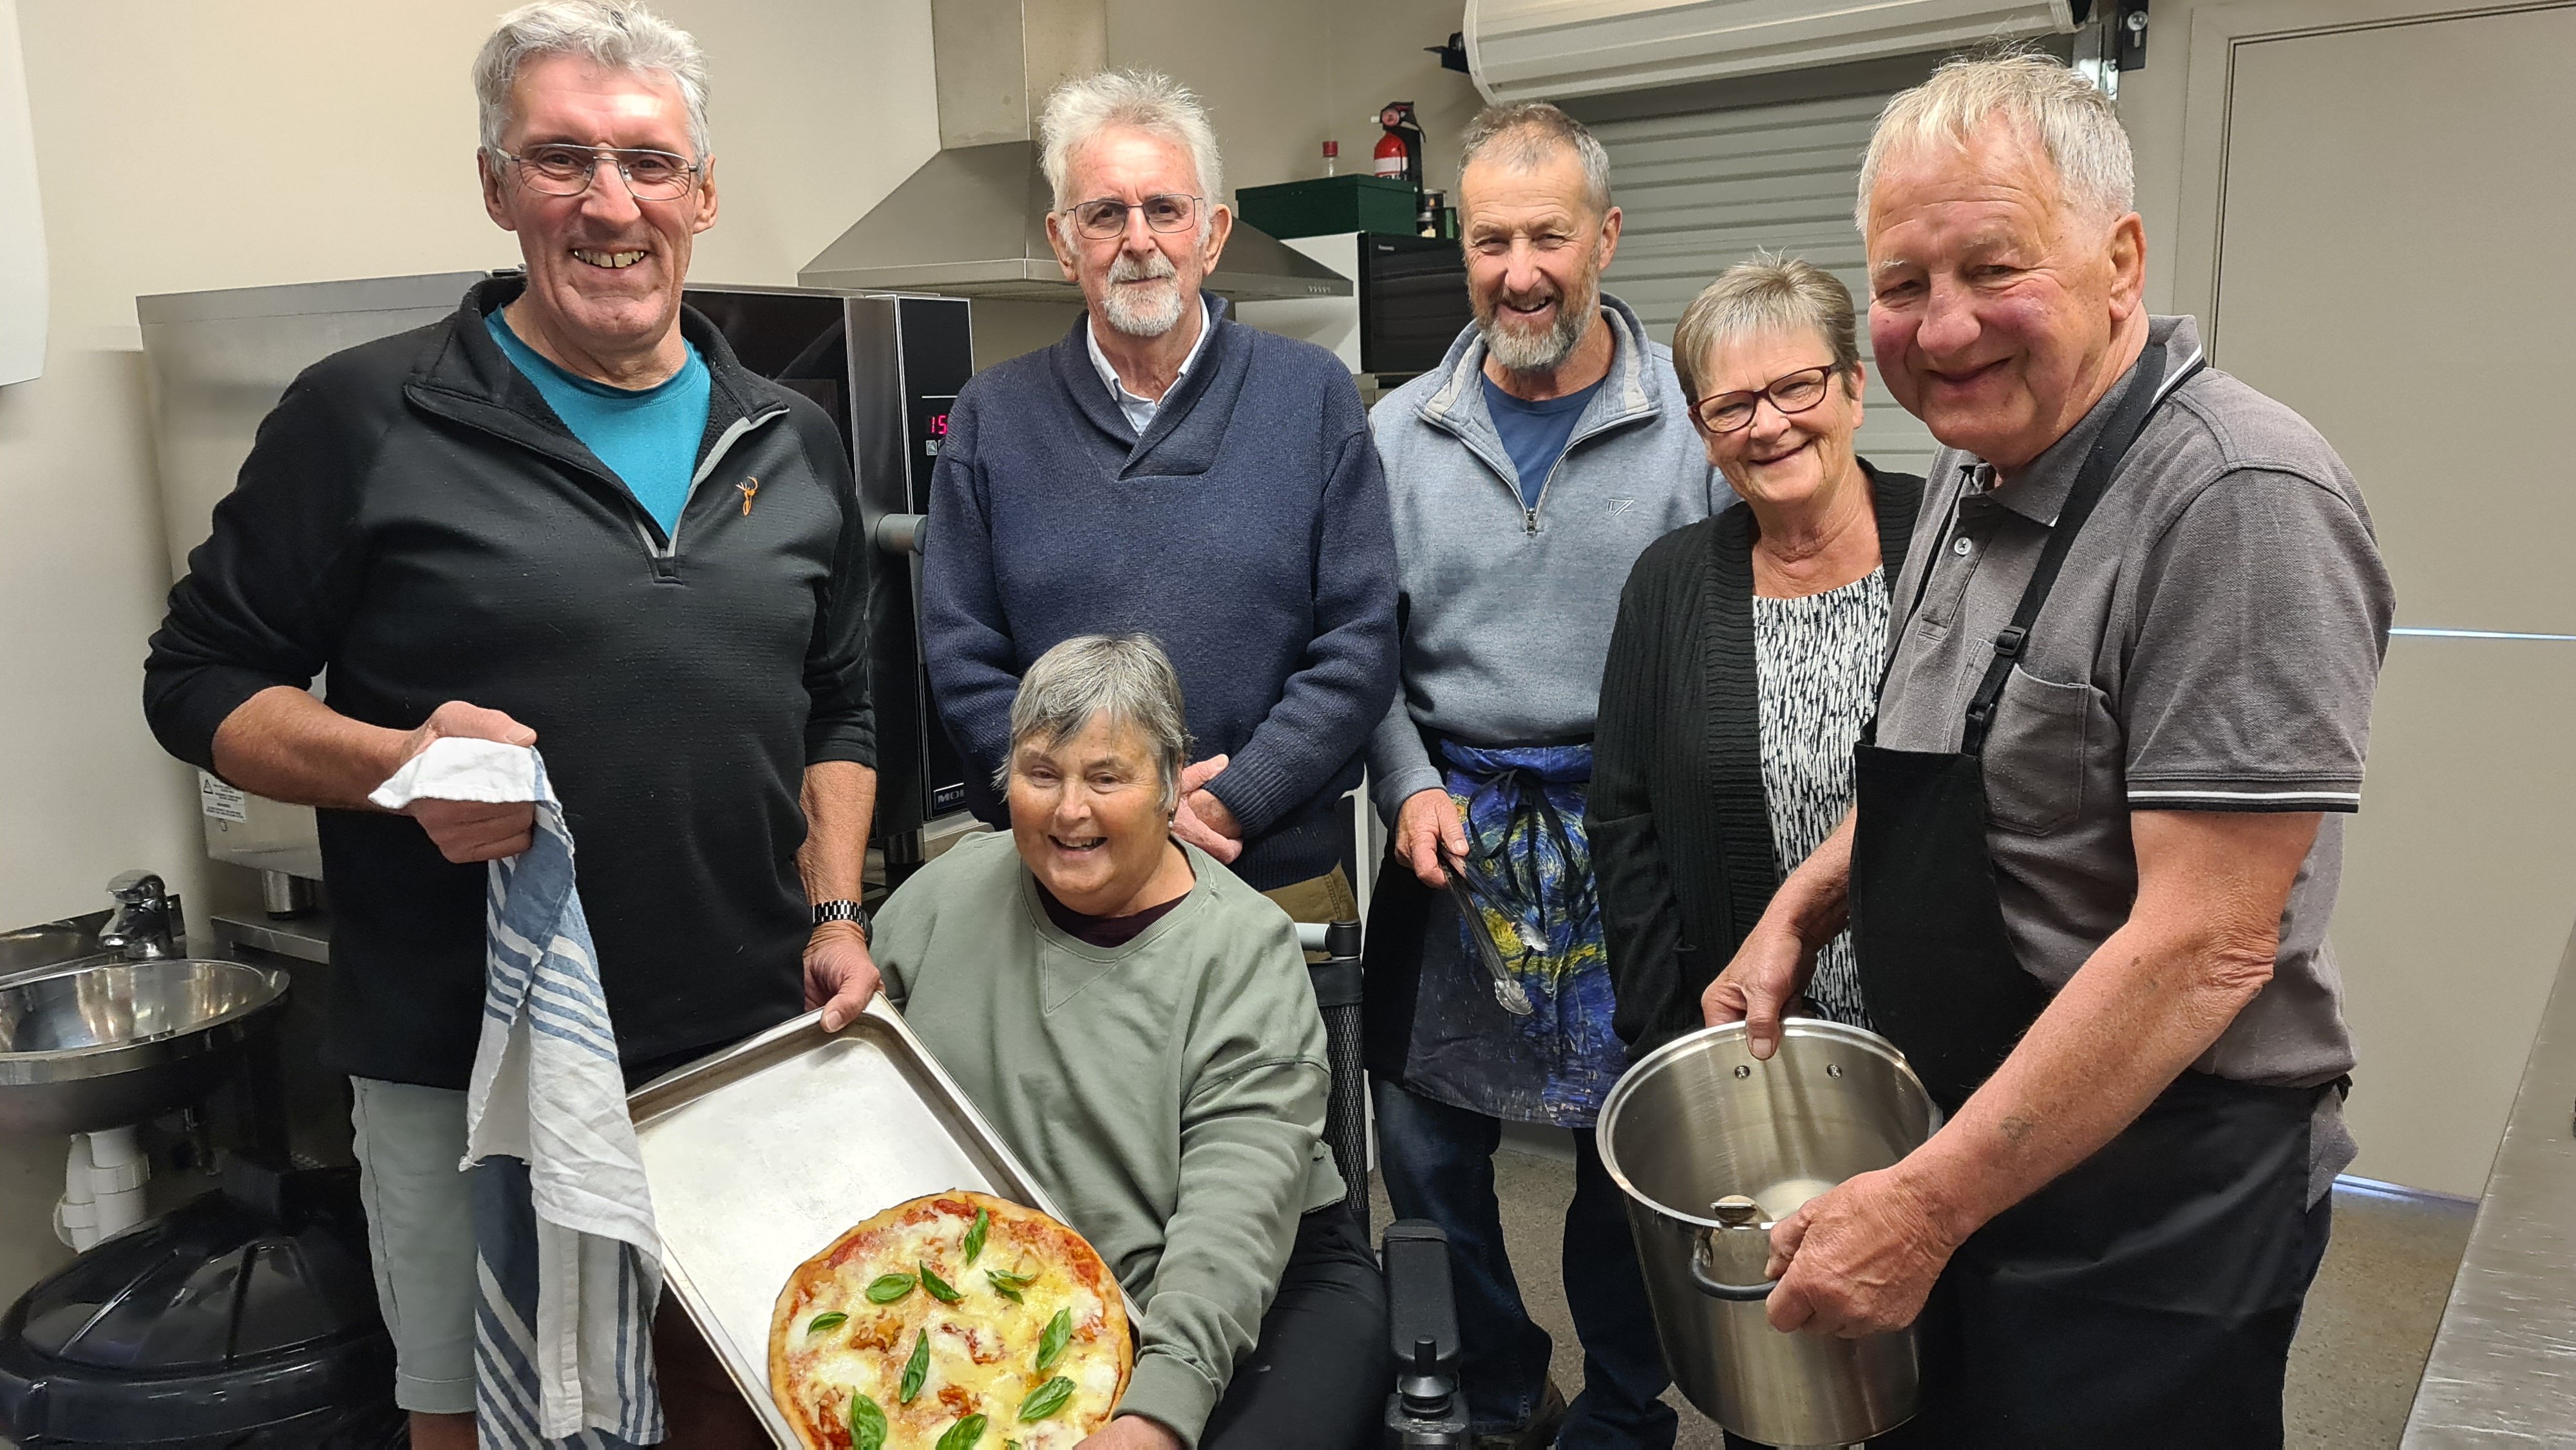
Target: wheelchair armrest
1427,1411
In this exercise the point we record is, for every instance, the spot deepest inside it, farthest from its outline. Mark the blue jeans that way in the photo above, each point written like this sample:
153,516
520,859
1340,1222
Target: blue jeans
1438,1163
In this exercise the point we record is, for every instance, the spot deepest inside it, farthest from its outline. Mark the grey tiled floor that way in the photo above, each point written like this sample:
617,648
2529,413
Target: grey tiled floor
2361,1346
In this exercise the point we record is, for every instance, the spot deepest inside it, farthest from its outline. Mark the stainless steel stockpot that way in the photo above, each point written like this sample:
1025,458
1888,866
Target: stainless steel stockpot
1712,1148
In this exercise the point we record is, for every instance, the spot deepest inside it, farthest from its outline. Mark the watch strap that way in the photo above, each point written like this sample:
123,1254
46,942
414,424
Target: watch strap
841,911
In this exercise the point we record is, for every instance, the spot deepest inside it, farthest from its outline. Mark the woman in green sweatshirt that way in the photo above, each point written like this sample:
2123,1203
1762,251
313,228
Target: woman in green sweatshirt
1138,1025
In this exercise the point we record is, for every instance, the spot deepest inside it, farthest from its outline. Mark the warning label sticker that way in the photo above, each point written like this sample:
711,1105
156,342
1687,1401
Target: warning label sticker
219,801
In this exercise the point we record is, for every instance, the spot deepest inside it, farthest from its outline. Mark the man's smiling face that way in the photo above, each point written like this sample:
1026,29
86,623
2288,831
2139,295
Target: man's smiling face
1535,251
1995,305
604,269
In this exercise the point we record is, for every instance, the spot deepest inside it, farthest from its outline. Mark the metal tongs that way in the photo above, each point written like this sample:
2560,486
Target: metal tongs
1508,992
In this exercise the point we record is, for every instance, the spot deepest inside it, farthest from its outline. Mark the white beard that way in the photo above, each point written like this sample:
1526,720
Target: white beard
1142,311
1523,351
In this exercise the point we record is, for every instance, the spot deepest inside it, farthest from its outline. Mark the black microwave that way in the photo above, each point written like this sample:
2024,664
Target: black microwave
1413,303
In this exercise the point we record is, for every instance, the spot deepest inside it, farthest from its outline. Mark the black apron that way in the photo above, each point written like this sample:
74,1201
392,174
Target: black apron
2147,1296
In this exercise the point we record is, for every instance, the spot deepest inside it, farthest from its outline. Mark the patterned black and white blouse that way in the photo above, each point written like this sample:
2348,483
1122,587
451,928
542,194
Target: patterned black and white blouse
1818,659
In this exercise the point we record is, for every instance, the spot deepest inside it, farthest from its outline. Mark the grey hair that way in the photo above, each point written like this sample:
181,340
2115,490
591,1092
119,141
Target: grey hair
1124,677
1141,100
2041,97
614,34
1765,293
1526,133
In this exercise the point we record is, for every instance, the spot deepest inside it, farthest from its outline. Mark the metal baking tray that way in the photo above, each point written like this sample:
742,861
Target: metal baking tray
763,1154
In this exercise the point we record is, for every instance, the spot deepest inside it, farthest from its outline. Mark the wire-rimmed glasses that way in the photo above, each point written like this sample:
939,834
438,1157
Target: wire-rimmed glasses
1106,217
1790,393
564,169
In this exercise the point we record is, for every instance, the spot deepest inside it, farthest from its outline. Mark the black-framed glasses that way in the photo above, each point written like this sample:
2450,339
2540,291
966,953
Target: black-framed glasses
1106,217
563,169
1790,393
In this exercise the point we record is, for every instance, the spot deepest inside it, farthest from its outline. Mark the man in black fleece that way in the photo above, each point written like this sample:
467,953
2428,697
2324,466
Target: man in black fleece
1164,469
565,517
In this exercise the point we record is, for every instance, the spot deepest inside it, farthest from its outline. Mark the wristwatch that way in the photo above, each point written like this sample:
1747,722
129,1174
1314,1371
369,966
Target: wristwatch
849,911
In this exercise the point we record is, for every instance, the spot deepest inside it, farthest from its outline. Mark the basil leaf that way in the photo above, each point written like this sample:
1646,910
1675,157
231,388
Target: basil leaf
1046,1399
938,1287
888,1288
1058,1337
821,1322
1002,1277
915,1369
963,1434
975,1236
1008,1292
867,1424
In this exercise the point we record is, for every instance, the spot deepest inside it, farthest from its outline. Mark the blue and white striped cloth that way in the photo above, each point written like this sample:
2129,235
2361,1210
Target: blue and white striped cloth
565,1248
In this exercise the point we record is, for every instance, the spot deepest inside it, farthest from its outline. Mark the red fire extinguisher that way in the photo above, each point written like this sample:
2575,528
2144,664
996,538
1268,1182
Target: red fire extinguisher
1399,151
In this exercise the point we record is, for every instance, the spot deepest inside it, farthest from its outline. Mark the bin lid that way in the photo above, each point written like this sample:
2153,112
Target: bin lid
221,1314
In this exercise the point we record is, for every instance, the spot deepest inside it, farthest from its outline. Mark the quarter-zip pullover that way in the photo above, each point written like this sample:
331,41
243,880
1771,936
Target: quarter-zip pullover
1507,604
416,521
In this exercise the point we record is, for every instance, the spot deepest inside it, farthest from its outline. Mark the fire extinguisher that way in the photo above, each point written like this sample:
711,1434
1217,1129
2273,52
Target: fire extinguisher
1399,151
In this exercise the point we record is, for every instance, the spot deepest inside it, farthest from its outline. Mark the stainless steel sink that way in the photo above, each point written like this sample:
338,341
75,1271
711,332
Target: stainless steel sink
54,944
105,1043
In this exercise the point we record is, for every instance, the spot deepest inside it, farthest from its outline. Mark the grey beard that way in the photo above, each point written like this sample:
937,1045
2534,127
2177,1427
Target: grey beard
1545,352
1152,315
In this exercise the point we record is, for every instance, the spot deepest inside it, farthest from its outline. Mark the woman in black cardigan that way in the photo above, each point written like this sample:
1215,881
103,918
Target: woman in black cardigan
1746,655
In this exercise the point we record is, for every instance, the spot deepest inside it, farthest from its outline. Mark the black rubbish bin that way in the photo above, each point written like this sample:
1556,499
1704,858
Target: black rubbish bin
243,1320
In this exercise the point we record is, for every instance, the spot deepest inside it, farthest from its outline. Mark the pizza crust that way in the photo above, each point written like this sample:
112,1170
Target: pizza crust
981,1350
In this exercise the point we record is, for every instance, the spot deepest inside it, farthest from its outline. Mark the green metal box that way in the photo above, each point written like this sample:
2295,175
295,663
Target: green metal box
1329,204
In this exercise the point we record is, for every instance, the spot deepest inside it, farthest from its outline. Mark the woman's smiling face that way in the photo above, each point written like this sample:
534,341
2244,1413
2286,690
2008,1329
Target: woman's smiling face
1782,459
1088,814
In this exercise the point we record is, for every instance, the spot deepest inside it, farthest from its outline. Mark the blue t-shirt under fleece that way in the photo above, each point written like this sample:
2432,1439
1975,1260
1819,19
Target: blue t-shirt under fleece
1535,434
648,437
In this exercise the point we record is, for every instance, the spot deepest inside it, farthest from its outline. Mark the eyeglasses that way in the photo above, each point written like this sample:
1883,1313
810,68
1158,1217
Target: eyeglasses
1107,217
567,170
1791,394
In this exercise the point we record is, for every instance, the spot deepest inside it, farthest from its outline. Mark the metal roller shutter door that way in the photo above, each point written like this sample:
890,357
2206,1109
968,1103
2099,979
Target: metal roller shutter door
1702,190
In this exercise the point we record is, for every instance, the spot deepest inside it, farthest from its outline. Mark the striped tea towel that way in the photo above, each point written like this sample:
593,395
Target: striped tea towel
569,1262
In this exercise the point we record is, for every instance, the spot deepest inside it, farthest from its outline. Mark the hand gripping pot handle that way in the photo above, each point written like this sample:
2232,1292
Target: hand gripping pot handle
1735,1212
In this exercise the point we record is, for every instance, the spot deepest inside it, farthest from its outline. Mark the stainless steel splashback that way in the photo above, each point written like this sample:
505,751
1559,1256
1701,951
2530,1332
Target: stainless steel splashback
216,363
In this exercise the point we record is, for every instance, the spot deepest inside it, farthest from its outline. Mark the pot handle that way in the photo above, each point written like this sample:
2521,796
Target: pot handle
1733,1293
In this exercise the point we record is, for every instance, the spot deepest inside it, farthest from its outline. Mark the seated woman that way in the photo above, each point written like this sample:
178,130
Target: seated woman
1137,1023
1746,655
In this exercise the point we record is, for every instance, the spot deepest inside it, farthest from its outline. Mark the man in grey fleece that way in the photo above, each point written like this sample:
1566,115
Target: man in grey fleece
1526,474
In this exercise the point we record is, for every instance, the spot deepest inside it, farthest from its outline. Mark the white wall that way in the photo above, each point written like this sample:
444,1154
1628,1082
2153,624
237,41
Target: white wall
184,146
2460,872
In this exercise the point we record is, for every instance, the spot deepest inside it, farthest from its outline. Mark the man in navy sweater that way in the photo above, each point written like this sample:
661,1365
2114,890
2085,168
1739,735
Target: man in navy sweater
1167,470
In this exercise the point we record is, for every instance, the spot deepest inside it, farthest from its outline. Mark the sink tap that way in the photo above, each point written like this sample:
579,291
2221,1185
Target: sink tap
141,926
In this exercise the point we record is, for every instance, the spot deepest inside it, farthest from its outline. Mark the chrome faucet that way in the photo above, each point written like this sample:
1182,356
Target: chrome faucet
141,927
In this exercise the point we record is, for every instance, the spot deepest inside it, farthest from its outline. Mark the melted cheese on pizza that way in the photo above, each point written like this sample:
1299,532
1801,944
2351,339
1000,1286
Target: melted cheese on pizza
980,1354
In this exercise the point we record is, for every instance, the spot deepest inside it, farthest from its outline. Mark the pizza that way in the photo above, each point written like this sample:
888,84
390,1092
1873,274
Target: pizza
957,1321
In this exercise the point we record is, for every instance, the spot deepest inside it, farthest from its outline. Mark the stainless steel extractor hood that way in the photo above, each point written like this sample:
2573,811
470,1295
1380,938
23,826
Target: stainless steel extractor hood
972,221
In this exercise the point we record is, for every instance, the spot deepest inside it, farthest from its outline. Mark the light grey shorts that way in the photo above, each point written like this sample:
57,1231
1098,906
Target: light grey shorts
420,1235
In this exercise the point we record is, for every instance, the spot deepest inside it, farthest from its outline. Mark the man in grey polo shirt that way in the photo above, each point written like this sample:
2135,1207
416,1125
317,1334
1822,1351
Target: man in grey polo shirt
2099,827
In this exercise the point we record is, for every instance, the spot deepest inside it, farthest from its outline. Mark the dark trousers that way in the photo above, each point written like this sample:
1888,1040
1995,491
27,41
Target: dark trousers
1438,1163
1319,1374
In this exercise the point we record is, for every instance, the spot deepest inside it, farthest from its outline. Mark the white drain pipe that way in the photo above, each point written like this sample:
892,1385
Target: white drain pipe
117,1173
76,1216
102,1187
